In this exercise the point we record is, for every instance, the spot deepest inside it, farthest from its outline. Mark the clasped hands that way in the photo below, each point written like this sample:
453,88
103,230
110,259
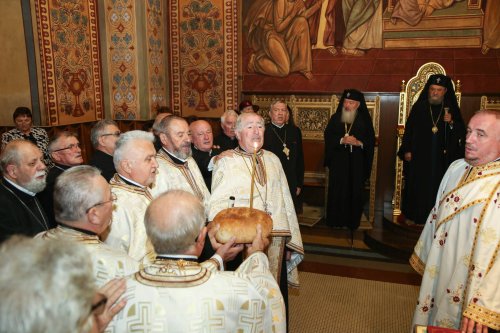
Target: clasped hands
351,140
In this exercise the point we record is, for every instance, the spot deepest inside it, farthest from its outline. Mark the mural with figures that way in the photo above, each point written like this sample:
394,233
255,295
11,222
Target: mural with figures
203,40
69,53
286,38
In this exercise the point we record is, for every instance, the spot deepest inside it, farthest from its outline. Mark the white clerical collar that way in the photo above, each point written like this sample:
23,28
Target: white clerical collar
177,256
131,181
279,126
180,159
20,188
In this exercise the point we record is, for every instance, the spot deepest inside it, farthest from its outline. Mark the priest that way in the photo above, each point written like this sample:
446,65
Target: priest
83,208
177,294
285,141
24,174
136,167
177,169
349,148
457,253
231,186
434,137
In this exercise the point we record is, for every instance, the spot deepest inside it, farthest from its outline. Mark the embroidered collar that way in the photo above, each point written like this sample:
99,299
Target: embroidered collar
174,158
131,182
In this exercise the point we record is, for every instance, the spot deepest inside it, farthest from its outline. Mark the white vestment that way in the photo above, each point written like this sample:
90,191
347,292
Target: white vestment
232,176
127,231
457,253
172,176
107,262
183,296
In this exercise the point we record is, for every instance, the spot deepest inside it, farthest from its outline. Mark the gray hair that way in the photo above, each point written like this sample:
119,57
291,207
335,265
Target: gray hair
55,139
241,119
45,286
276,101
11,153
186,218
226,114
75,192
124,142
164,125
98,130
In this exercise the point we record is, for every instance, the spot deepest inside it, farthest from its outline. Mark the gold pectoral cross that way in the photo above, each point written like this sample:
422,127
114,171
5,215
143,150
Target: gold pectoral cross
286,151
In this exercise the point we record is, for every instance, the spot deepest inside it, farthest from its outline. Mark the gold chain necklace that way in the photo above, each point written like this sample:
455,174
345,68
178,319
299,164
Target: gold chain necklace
286,151
434,123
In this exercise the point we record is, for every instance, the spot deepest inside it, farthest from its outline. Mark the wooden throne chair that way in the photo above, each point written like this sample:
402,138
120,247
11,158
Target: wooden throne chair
409,94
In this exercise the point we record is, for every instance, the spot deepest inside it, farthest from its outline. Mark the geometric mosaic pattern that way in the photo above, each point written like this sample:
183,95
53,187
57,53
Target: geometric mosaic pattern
122,58
69,60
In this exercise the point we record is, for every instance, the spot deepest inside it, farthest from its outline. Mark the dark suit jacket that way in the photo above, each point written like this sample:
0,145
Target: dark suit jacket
103,162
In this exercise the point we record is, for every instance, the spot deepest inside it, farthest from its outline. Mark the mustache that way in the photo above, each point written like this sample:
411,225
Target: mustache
40,174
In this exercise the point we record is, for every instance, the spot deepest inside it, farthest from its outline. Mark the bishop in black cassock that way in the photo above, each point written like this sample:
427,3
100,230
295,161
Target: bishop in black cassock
434,137
349,148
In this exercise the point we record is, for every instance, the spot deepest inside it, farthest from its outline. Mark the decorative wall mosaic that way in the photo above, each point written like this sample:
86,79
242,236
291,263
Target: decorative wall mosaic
69,59
203,39
155,54
122,58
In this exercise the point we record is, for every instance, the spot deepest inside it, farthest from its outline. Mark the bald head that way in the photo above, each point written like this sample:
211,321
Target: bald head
201,135
173,221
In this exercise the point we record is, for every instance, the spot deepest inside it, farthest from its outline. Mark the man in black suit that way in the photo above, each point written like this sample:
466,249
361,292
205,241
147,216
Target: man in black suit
204,151
24,174
227,139
104,135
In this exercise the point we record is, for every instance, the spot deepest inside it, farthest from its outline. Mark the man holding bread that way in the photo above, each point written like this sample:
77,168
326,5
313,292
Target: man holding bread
231,179
178,294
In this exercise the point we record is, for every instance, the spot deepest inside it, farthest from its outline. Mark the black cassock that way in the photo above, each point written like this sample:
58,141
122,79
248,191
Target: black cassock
349,168
225,142
432,154
20,213
274,137
103,162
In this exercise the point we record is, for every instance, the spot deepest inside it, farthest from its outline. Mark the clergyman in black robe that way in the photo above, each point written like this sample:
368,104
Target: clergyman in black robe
349,148
434,137
285,141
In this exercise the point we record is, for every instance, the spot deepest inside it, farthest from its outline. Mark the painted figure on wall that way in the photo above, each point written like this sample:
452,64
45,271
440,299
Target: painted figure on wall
491,32
413,11
278,33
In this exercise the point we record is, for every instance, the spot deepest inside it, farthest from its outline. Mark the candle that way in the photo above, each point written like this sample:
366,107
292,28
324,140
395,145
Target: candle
252,181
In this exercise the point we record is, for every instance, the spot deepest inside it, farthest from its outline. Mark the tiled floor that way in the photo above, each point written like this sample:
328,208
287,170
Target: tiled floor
381,70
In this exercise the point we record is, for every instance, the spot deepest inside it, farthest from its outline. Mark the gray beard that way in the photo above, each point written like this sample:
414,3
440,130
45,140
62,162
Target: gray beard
348,116
435,101
35,185
181,155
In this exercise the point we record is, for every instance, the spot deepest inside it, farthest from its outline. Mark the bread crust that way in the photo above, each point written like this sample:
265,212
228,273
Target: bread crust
241,222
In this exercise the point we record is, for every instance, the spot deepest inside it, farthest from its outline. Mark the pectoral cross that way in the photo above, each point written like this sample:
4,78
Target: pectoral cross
286,151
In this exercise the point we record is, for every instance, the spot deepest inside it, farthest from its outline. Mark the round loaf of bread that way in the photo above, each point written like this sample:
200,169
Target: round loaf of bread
241,222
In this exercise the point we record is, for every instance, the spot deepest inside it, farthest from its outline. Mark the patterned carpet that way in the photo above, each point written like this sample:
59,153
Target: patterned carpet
327,303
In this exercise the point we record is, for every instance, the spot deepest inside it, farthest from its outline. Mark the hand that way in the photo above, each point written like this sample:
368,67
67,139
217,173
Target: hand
297,192
259,243
408,156
468,326
113,290
348,140
227,251
288,255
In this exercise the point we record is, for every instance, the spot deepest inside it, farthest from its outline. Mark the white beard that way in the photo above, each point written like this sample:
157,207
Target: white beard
35,185
348,116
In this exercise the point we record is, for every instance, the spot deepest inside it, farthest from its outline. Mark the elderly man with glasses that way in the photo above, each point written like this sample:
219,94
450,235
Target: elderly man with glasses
64,149
83,205
49,287
104,135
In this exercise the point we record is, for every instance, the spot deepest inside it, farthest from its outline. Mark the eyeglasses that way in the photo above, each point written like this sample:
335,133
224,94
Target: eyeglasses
71,146
113,199
117,134
98,307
